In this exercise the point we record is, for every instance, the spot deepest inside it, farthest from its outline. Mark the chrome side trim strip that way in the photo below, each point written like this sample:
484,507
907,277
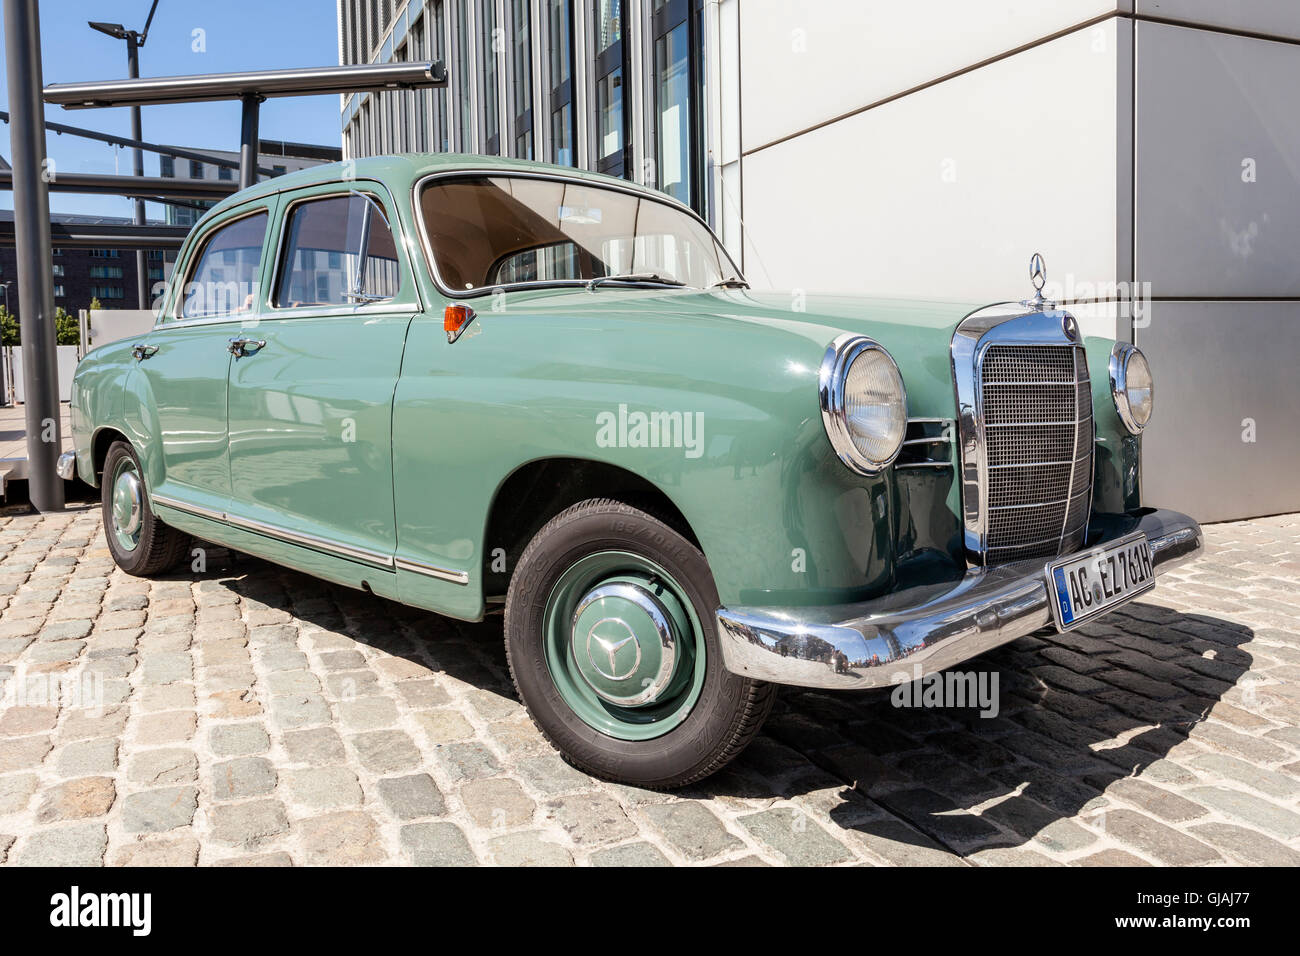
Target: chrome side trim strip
432,571
364,555
185,506
316,543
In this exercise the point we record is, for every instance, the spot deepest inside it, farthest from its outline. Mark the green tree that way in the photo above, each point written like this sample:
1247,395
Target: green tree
67,328
95,303
8,327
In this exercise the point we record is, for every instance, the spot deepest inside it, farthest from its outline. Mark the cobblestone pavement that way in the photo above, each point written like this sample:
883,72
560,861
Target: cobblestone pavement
253,715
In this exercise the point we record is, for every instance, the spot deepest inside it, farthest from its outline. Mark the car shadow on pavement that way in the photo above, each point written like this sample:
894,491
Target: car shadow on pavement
1084,743
1080,744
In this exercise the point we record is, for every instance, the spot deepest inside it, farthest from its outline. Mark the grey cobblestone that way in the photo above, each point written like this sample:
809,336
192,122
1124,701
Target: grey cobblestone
250,715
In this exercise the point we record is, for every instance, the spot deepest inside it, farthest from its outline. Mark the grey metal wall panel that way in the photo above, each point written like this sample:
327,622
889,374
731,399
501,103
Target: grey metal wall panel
1280,18
1219,368
1207,103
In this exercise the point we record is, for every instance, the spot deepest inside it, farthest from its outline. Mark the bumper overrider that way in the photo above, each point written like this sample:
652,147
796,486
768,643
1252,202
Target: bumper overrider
922,630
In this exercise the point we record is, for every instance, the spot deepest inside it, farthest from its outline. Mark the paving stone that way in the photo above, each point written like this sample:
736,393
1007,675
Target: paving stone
76,800
423,693
692,830
630,854
1246,846
81,844
443,726
1239,771
258,859
344,838
369,713
169,727
466,761
154,811
1110,857
1156,801
182,851
317,747
1154,839
299,710
409,798
20,721
242,778
325,788
527,849
16,792
351,685
1249,809
549,773
238,740
385,751
590,818
436,844
83,758
795,837
248,825
496,803
23,753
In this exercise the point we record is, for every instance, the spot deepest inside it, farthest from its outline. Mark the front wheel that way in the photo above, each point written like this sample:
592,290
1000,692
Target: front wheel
613,646
139,542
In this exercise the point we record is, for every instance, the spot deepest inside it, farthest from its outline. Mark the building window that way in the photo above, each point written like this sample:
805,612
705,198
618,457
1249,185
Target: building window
521,80
611,116
225,173
58,291
106,292
167,167
58,271
196,169
559,17
491,41
104,254
676,113
106,272
436,49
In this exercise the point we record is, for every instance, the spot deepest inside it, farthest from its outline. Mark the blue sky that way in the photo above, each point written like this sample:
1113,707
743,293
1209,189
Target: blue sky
237,34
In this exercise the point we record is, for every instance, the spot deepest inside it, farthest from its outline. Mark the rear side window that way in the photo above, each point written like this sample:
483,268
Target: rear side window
225,276
339,251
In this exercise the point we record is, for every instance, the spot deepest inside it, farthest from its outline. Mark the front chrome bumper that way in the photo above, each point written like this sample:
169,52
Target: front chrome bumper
921,630
67,465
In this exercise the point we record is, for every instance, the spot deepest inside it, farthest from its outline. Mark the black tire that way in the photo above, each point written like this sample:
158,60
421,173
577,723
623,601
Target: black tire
729,710
160,547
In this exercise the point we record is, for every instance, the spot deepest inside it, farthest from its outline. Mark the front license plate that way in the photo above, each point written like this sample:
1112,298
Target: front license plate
1083,586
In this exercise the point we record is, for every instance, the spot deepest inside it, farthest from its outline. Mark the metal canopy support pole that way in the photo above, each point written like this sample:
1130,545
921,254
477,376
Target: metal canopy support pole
137,169
248,139
22,30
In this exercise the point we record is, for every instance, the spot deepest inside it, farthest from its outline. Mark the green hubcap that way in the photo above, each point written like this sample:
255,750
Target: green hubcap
127,505
624,645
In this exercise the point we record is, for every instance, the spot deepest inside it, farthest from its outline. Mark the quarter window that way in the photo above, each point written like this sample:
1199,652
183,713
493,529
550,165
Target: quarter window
339,251
224,282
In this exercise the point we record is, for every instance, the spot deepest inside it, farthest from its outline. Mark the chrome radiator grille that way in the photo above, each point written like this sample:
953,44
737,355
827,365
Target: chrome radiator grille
1037,410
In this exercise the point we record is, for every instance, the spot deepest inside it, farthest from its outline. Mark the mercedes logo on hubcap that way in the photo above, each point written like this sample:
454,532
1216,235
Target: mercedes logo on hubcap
606,651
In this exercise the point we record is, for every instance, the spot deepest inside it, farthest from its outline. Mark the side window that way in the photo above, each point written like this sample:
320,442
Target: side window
339,251
224,278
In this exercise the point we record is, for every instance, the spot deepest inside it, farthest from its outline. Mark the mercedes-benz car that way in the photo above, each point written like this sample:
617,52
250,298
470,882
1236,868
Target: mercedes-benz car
459,383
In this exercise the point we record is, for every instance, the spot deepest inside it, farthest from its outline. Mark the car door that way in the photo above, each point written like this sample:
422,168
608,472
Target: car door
311,387
178,392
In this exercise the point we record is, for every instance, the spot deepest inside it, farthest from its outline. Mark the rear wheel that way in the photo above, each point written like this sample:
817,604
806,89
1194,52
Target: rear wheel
613,647
138,540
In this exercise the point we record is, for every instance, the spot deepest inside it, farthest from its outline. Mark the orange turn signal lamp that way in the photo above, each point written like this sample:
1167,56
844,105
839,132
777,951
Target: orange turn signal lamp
456,319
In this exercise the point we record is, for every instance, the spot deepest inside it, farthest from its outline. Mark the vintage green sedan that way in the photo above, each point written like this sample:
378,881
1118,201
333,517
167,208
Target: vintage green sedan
458,382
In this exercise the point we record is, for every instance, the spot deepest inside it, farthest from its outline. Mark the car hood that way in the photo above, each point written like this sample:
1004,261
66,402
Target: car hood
917,333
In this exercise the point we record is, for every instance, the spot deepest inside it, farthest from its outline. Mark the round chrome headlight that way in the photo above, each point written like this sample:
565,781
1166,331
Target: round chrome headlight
1131,386
864,403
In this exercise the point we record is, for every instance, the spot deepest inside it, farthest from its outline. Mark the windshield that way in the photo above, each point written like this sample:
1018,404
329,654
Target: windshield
490,231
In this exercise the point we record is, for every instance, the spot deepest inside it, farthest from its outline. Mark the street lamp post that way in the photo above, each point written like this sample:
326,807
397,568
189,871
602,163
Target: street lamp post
134,41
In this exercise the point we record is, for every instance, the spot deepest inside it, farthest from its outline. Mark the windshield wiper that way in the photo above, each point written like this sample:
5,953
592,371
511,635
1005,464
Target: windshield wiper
731,282
634,277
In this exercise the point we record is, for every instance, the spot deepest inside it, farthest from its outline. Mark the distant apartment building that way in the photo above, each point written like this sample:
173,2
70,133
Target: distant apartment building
83,275
275,155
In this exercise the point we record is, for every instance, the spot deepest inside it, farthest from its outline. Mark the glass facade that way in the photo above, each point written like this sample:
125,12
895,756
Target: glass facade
609,85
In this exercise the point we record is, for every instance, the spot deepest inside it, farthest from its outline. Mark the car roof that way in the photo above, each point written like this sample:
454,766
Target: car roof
399,171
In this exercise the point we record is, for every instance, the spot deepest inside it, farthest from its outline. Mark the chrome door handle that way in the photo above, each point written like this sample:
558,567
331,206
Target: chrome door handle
241,347
141,351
